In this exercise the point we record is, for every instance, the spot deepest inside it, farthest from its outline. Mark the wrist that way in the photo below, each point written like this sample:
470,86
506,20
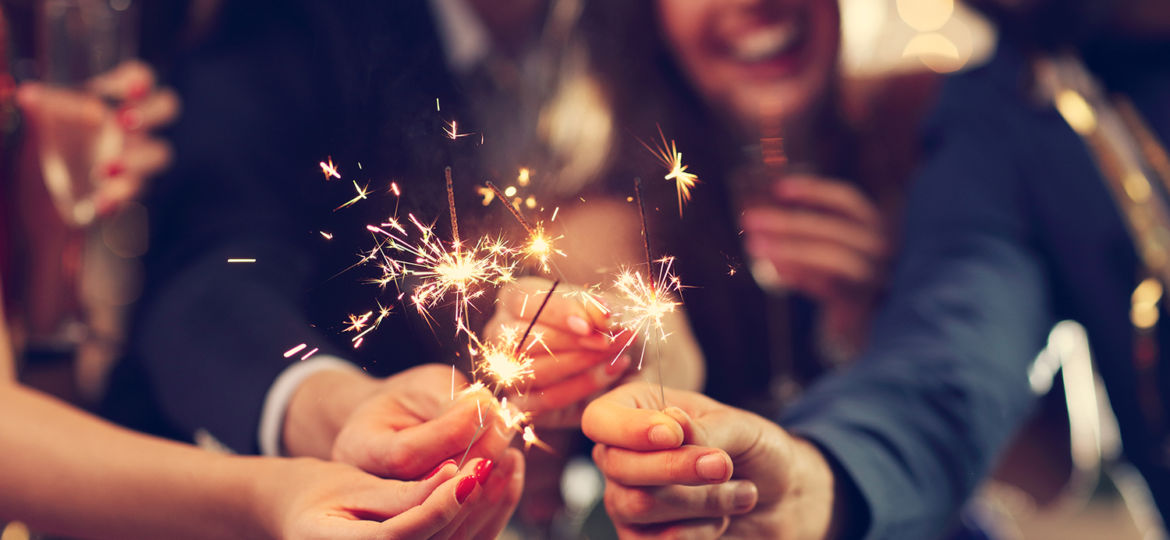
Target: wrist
265,481
830,500
319,408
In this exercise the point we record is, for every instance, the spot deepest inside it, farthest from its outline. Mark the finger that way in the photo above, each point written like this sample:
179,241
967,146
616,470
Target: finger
156,110
412,452
832,260
473,503
833,195
696,529
447,504
548,370
552,338
665,504
131,80
501,493
565,310
388,498
68,107
689,465
575,389
619,418
779,224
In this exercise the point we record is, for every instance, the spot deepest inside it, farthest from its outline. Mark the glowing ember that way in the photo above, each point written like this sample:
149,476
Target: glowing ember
671,158
329,169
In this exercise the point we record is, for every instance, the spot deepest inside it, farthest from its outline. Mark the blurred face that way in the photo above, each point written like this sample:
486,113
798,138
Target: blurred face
755,58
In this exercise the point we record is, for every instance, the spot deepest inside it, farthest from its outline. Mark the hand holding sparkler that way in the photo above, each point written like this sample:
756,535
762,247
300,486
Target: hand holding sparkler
672,471
575,353
398,427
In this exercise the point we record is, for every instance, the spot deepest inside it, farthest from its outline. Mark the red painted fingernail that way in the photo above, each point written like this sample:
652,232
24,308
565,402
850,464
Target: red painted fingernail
114,169
138,90
483,470
129,118
439,468
464,489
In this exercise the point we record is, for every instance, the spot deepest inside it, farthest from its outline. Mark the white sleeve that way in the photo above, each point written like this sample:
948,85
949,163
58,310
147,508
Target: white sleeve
281,393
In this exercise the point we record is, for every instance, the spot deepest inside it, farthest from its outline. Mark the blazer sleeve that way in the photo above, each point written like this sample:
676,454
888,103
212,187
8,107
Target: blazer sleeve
210,335
918,421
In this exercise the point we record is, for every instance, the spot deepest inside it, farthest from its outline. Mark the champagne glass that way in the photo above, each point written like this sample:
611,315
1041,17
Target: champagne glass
78,40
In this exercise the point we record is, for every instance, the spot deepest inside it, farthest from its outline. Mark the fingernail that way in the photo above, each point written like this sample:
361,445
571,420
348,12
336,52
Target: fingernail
712,467
114,169
129,118
464,489
579,325
138,90
662,435
439,468
483,470
745,496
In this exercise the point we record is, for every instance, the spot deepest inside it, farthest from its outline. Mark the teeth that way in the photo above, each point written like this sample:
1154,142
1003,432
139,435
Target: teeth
766,42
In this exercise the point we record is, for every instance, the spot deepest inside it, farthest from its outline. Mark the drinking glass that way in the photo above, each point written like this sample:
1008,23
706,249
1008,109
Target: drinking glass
78,40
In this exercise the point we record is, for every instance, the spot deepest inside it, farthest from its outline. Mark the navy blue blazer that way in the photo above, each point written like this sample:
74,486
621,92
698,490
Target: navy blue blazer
279,87
1009,229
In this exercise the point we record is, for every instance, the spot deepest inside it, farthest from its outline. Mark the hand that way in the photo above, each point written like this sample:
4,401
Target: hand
398,427
702,469
578,355
306,498
826,239
402,427
144,108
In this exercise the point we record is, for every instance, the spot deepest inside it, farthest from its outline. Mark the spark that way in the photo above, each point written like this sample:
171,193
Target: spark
530,440
671,158
442,270
309,354
241,260
329,169
289,353
362,192
452,130
358,322
539,246
644,301
326,235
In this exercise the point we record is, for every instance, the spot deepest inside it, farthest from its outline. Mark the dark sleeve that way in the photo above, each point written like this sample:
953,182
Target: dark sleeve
210,335
918,421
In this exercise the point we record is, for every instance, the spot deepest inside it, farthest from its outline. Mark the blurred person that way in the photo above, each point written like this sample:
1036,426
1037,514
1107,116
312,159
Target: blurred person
1038,201
274,89
66,472
781,265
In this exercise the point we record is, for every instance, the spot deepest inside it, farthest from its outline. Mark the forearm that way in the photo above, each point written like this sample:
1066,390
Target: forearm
69,473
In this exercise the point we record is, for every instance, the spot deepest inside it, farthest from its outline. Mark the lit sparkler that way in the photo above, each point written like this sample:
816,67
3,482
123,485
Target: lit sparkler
671,158
540,246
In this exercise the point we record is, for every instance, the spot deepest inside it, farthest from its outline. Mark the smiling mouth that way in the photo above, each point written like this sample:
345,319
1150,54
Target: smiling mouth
766,42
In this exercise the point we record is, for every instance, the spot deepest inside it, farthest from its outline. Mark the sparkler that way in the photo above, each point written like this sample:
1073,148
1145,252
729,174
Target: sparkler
671,158
647,300
539,247
506,364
